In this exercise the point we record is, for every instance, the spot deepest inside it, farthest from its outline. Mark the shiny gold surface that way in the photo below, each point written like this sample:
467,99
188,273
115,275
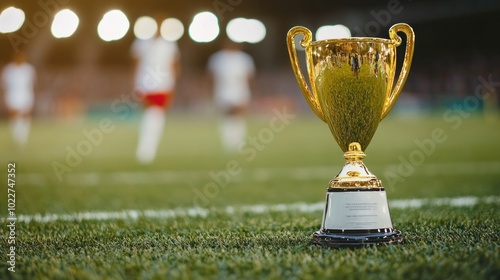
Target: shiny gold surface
355,174
351,89
310,96
351,80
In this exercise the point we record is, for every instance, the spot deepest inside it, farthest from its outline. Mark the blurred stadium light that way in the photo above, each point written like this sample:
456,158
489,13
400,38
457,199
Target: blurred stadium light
204,28
145,28
242,30
332,32
171,29
85,68
65,24
11,19
113,26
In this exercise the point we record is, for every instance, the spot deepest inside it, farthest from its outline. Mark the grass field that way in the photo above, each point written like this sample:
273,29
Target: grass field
198,212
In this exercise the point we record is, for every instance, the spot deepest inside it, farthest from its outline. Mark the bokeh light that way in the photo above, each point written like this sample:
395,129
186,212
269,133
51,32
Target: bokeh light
65,24
113,26
172,29
337,31
145,28
204,27
11,19
246,30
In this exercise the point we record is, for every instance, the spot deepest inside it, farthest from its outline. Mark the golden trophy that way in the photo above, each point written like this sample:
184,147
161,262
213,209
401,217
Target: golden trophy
352,89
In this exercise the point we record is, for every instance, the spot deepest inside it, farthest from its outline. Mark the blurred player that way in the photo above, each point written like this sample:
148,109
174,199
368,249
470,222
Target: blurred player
18,80
157,67
231,70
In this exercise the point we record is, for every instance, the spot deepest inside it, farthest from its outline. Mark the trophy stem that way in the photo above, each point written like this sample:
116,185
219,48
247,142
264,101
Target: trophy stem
354,152
356,211
355,174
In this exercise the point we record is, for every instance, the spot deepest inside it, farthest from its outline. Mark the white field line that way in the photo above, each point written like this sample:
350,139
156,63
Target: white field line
465,201
94,179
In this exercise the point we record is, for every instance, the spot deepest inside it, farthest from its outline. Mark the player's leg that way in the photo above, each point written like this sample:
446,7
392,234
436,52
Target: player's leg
150,132
233,127
152,124
20,123
25,126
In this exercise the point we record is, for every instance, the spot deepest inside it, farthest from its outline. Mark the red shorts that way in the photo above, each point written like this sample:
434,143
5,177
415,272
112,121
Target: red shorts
160,99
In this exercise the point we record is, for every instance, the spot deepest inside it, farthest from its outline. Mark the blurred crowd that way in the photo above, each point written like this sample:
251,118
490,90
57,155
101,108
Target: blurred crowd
450,78
71,92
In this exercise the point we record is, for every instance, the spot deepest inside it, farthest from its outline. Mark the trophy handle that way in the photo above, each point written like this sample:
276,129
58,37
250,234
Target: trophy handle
292,51
410,43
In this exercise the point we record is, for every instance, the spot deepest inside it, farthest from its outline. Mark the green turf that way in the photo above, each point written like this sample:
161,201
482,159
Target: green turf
442,242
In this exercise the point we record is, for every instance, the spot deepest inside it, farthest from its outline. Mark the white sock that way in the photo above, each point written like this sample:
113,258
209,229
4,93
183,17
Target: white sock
150,133
20,128
233,132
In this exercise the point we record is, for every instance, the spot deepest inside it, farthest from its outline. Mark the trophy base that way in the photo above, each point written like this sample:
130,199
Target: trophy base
357,238
356,217
356,210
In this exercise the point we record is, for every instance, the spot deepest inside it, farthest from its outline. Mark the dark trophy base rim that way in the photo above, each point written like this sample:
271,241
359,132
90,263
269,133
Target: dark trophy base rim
354,239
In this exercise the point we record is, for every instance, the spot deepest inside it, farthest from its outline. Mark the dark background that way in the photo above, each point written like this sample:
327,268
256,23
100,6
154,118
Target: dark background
456,42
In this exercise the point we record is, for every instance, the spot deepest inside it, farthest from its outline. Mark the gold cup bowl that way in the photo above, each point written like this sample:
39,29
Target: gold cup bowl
352,89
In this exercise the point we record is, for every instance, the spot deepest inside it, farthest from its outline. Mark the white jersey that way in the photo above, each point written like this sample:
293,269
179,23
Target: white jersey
231,71
156,58
18,81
